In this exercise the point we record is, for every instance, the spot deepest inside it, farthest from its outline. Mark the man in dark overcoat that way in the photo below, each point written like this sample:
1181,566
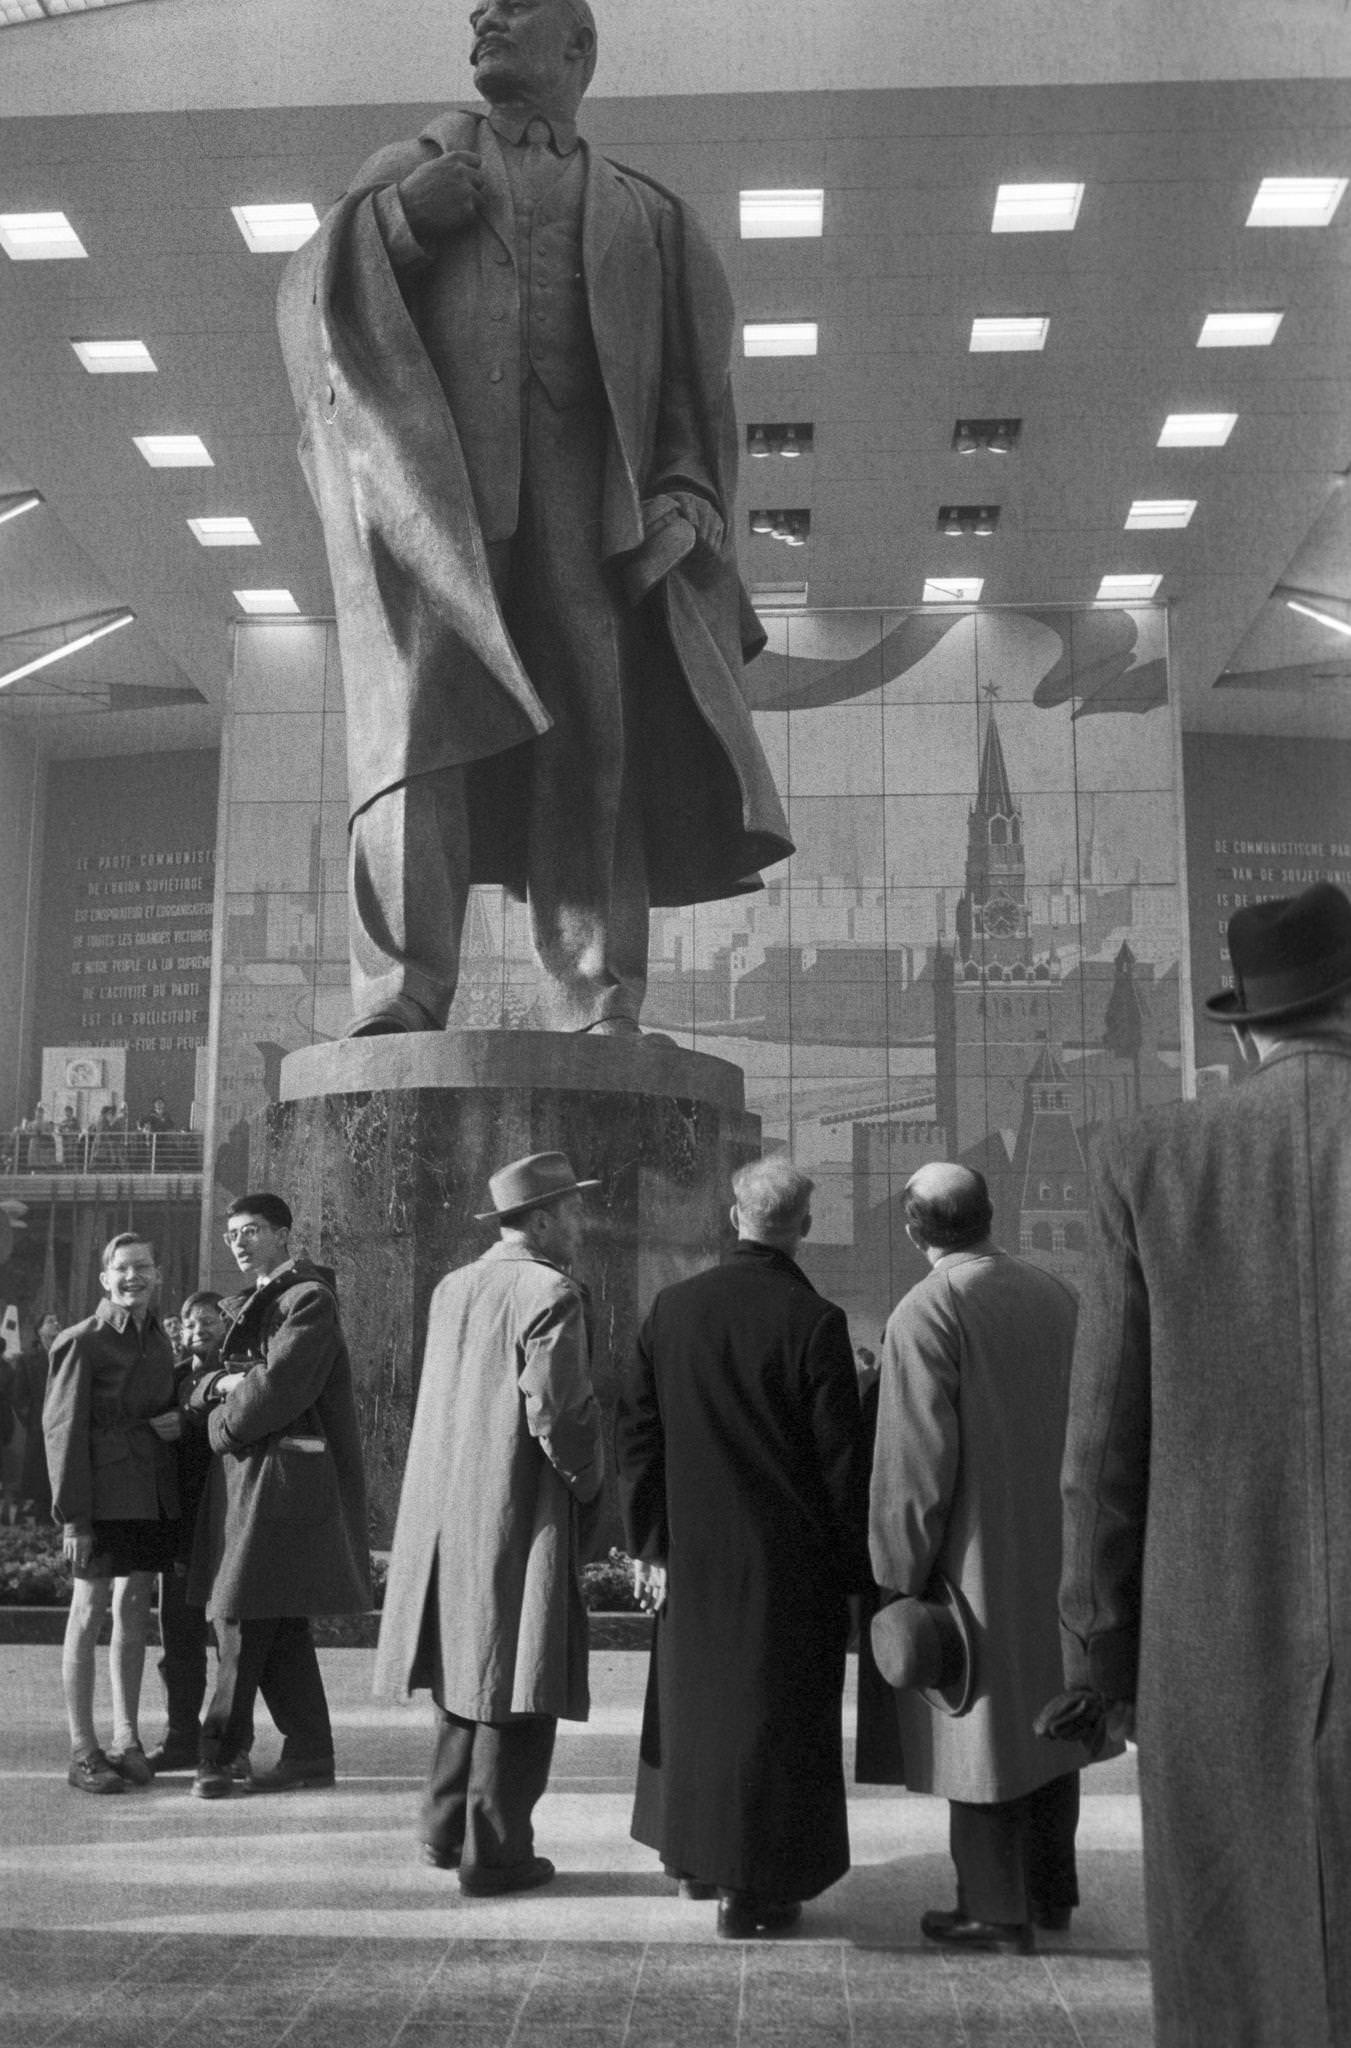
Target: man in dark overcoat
511,361
743,1483
484,1601
281,1532
970,1431
1207,1587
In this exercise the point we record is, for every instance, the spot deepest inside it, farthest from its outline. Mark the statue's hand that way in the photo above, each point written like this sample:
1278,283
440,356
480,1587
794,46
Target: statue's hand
443,196
706,522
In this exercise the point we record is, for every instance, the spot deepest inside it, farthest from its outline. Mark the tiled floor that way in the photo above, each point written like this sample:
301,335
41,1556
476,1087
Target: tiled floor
153,1919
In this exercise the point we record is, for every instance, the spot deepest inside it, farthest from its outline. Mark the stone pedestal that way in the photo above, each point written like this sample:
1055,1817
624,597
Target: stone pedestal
384,1146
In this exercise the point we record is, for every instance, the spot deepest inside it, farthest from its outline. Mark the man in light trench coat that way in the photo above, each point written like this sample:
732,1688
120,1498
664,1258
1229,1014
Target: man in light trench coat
970,1429
1207,1591
484,1602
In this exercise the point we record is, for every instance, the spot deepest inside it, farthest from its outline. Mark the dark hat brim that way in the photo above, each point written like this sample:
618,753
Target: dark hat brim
1228,1008
958,1697
576,1187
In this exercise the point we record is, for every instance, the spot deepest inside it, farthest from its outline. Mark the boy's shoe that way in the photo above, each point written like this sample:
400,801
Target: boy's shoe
132,1765
213,1781
177,1752
93,1773
293,1774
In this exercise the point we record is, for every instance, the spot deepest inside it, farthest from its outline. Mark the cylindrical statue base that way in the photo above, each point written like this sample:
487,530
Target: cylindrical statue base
383,1147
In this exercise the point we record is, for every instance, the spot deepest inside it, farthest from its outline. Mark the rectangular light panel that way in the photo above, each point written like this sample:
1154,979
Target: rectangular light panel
1128,586
115,358
1159,512
15,11
953,589
779,338
225,533
39,237
771,216
1197,429
1295,202
1008,337
778,597
271,230
1238,330
1036,209
276,604
174,451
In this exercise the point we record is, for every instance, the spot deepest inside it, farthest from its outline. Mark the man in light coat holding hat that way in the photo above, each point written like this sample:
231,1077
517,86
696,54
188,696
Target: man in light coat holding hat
484,1603
965,1522
1207,1590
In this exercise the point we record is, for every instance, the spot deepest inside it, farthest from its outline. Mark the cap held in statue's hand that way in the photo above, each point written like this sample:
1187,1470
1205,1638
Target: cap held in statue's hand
928,1646
526,1183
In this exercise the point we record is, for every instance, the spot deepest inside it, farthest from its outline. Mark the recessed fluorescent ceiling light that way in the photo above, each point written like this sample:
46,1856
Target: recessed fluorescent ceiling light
770,215
12,11
1007,337
1295,202
1159,512
1197,429
53,654
261,603
1129,586
225,533
39,237
1309,611
1238,330
779,338
1035,209
15,502
174,451
269,230
115,358
952,589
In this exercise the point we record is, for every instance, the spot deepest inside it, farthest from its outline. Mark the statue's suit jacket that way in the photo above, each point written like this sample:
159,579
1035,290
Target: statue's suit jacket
1208,1537
414,477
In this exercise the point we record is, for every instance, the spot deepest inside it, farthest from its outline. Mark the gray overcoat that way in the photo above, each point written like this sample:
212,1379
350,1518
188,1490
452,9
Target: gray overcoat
506,1447
966,1476
1208,1538
412,479
282,1530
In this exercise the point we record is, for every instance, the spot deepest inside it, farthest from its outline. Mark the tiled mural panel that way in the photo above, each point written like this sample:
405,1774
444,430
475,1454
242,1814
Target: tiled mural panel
973,952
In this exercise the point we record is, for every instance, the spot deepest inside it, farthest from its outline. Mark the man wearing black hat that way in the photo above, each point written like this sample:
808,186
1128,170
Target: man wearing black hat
483,1604
1206,1601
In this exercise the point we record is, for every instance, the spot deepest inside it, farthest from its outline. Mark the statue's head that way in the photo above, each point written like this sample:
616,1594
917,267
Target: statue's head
533,51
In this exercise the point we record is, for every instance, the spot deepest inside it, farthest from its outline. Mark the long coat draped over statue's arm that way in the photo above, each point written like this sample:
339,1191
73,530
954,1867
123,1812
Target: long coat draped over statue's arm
505,1453
432,678
1207,1488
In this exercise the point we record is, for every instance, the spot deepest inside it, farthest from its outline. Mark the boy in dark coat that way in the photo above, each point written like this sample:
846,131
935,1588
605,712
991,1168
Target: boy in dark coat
281,1533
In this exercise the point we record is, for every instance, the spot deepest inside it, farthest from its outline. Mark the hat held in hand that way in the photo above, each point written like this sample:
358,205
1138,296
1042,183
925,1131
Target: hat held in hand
1288,955
527,1183
927,1646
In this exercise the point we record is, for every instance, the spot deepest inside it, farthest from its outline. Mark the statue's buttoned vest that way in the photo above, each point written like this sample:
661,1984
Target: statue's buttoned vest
502,324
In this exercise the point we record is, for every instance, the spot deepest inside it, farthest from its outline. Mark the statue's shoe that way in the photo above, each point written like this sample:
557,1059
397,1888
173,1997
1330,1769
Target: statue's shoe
401,1013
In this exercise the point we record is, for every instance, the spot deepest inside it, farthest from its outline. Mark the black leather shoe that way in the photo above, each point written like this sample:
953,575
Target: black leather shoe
744,1917
998,1937
518,1877
132,1764
294,1774
695,1888
213,1781
1055,1919
440,1859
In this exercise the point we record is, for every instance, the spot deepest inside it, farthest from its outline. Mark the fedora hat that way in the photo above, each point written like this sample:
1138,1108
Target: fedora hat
928,1646
1289,955
526,1183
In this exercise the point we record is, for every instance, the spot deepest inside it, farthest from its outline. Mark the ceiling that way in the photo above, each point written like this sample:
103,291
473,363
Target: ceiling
906,261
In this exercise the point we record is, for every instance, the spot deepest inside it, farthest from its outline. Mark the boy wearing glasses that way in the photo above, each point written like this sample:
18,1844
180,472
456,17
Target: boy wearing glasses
281,1535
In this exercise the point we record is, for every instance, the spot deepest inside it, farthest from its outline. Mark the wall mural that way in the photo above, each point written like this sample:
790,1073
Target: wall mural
973,953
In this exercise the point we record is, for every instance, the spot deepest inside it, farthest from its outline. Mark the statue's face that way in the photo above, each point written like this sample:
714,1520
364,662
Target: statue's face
522,49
